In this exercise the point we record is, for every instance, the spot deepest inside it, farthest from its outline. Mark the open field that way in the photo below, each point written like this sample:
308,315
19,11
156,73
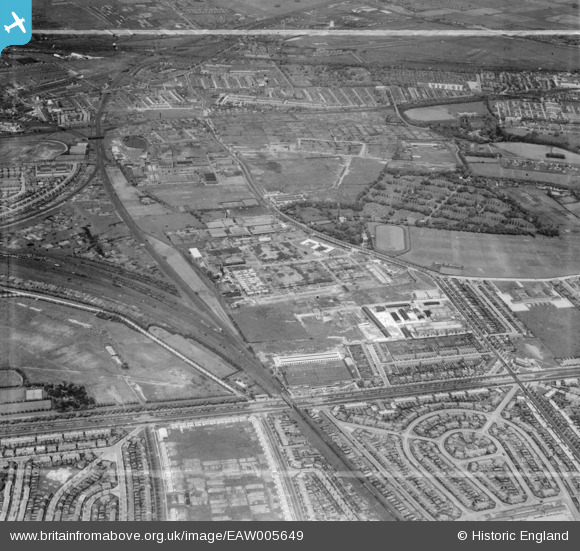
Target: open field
557,328
493,169
295,173
10,378
188,348
445,112
53,345
266,8
271,323
186,271
496,255
32,148
319,374
200,197
537,152
362,172
130,197
450,52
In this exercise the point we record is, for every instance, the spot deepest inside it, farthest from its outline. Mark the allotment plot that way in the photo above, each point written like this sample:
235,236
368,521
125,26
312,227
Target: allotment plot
220,470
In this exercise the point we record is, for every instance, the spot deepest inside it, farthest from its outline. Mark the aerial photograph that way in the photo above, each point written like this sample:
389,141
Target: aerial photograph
302,260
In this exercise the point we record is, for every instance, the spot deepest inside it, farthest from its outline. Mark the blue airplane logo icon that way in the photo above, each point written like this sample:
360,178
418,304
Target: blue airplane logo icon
15,22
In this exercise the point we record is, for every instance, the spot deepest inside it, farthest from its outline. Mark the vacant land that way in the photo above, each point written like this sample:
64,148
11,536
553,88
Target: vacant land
557,328
272,323
361,172
496,255
295,173
189,349
199,197
53,346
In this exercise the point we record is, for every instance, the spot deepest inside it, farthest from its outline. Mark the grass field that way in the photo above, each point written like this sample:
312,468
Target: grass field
272,323
389,239
557,328
295,173
516,53
537,152
48,347
189,349
31,148
8,395
200,197
494,170
445,112
266,8
291,326
9,377
496,255
362,172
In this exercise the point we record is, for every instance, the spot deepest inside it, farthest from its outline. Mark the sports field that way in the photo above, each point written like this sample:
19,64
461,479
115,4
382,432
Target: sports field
496,255
557,328
389,238
445,112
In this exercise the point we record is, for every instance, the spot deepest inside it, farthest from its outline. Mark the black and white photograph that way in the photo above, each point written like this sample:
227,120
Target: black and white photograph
302,260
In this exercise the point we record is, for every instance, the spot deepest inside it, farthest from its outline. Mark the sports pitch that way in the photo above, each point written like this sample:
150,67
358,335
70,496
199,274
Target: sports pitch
495,255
